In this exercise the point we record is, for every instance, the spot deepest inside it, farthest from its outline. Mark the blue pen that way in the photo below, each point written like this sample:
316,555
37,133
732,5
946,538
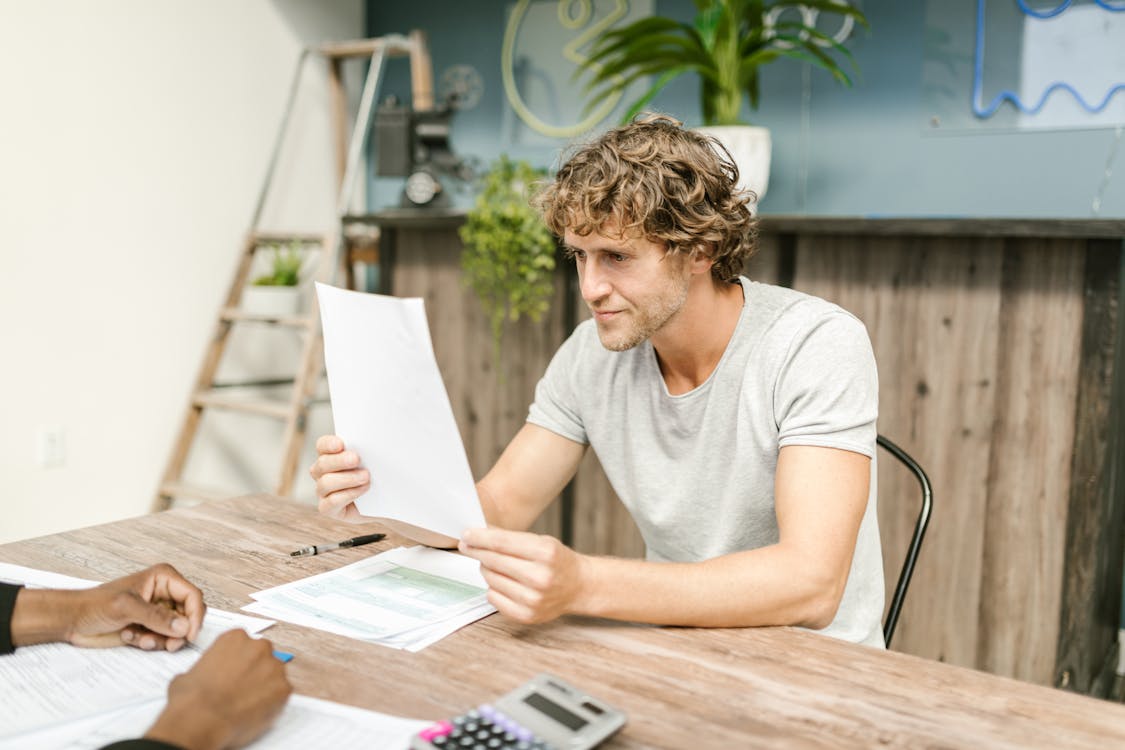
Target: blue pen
282,657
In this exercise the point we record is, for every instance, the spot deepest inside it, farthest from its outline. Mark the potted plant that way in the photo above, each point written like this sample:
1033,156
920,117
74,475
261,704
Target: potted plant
510,255
726,45
275,293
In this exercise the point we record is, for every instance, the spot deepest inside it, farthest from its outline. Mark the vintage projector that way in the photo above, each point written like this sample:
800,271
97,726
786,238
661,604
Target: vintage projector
415,144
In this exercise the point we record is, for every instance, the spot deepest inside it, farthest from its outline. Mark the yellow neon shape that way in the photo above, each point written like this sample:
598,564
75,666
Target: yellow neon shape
570,52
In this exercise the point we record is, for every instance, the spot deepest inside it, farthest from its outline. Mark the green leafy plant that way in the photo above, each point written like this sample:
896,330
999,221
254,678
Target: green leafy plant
726,45
285,269
510,254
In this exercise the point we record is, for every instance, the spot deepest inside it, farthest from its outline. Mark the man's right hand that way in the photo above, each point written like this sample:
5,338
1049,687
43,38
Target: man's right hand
232,694
339,479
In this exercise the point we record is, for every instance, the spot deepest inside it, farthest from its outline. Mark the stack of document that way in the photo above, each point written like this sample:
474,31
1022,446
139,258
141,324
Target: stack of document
406,598
56,696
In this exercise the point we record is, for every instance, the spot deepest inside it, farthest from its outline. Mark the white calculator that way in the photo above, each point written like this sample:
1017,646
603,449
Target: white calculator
545,713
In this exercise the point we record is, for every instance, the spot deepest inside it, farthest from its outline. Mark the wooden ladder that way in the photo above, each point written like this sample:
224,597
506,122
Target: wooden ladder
293,411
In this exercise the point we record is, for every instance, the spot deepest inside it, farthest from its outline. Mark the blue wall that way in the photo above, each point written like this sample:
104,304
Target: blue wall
868,150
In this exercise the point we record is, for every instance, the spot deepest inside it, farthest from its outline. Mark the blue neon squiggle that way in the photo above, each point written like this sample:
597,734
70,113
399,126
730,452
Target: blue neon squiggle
1062,6
1011,96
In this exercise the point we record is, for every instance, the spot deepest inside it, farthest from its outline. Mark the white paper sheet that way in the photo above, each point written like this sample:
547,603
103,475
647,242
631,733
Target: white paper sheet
389,404
305,723
43,685
42,579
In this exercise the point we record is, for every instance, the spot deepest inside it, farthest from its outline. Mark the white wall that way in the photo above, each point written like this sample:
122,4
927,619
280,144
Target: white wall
133,139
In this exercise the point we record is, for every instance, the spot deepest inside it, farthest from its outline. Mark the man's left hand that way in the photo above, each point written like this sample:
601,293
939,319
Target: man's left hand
531,578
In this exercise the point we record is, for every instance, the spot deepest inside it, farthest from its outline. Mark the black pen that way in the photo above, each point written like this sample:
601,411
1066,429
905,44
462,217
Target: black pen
316,549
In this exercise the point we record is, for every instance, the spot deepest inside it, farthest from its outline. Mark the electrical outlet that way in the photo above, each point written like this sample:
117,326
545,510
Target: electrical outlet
51,447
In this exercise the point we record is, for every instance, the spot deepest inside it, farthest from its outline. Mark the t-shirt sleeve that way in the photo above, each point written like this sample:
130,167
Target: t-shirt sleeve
556,406
827,391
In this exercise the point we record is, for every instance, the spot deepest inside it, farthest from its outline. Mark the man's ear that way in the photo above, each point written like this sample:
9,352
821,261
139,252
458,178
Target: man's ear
701,260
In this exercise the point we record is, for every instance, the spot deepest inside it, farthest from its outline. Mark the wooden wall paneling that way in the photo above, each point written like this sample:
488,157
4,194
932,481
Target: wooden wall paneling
489,406
930,306
1095,521
1032,442
774,251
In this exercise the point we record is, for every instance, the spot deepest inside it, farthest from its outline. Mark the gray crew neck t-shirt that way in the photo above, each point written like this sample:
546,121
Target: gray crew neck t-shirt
696,470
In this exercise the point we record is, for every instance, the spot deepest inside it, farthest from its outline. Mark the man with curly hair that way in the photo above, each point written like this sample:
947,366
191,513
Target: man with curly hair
735,420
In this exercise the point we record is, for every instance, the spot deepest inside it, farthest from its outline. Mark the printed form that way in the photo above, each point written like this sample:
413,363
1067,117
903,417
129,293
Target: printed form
408,597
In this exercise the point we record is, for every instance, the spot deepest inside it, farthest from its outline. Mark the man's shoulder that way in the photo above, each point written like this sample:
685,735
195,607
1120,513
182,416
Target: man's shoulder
782,303
778,315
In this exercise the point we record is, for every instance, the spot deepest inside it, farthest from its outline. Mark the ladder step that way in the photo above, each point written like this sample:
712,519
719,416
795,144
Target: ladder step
261,406
393,46
237,314
172,490
282,238
259,383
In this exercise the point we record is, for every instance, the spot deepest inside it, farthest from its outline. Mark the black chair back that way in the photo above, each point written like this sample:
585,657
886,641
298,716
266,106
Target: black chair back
915,540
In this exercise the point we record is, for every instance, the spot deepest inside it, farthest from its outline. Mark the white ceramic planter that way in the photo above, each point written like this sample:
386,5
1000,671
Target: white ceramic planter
750,148
277,301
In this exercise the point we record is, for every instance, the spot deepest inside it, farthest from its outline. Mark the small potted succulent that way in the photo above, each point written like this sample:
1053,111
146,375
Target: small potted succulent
276,293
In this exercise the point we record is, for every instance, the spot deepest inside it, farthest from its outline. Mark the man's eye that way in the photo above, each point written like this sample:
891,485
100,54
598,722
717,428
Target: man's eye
618,258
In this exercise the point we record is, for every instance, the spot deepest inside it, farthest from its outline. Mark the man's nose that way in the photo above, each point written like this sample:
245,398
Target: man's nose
593,283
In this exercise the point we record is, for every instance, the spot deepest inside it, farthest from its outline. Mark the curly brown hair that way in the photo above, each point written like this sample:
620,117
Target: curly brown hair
658,180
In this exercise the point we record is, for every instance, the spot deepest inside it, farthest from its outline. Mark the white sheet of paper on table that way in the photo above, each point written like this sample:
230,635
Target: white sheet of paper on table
306,722
407,597
389,404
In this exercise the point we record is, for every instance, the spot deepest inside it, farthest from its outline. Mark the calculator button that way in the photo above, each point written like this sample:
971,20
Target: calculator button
483,734
471,726
510,738
439,741
440,729
495,743
466,741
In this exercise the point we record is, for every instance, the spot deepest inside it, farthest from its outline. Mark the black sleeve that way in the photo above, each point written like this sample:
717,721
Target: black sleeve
8,593
141,745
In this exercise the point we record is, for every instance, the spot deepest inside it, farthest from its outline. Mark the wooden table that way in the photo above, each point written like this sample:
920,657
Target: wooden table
681,687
